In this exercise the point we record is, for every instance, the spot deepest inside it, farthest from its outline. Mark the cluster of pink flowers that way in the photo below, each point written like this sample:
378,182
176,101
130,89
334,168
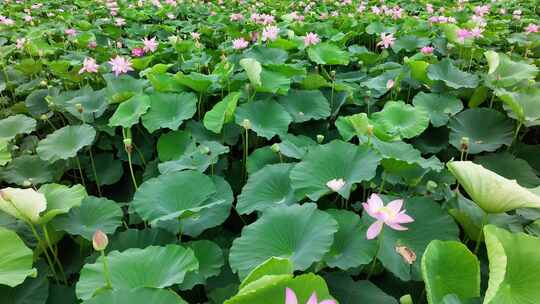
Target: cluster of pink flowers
270,33
6,21
297,17
311,39
441,19
240,43
113,7
481,10
262,18
396,12
463,34
236,17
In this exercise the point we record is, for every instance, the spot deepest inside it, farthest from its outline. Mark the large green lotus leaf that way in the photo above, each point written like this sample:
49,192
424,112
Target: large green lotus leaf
267,118
523,105
137,296
349,249
16,124
266,188
174,195
28,168
153,266
16,262
305,105
272,266
503,72
353,125
266,55
401,151
196,157
169,110
60,199
140,238
210,258
64,143
5,154
210,217
347,291
295,146
128,112
270,289
514,267
431,222
335,160
303,234
439,106
31,291
409,43
492,192
402,119
327,53
173,145
94,104
196,81
275,82
508,166
450,268
260,158
378,86
109,170
486,129
221,113
253,70
24,204
448,73
93,214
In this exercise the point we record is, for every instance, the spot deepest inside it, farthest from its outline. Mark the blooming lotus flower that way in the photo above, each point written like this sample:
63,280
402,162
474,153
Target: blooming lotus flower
137,52
476,32
311,39
386,40
531,28
391,215
89,66
24,204
335,184
120,65
427,50
463,34
240,43
119,21
195,35
70,32
290,298
20,43
150,45
270,33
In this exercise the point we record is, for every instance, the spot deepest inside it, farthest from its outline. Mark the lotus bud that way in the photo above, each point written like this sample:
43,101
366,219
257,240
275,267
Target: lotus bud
370,130
79,107
49,101
246,124
128,145
100,240
431,186
275,148
320,138
333,74
464,144
406,299
44,117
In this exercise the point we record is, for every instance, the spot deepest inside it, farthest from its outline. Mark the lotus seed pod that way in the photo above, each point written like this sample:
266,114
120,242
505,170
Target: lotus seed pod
370,130
43,83
43,117
275,148
79,107
464,143
128,145
246,124
320,138
100,240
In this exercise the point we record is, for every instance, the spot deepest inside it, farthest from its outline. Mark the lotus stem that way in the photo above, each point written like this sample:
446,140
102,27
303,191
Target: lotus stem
40,244
374,262
94,170
106,273
55,256
80,170
484,222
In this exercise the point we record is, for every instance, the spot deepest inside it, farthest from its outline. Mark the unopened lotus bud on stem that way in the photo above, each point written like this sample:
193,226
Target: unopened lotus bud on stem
100,240
320,138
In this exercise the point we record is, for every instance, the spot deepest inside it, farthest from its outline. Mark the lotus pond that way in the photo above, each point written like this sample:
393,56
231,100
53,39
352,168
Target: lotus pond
269,152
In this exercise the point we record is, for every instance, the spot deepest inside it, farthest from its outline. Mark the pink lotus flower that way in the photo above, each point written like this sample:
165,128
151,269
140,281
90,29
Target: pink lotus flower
391,215
137,52
28,18
270,33
239,44
390,84
386,40
89,66
463,34
120,65
335,184
531,28
150,45
119,21
311,39
195,35
70,32
20,43
92,44
6,21
427,50
476,32
236,17
290,298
